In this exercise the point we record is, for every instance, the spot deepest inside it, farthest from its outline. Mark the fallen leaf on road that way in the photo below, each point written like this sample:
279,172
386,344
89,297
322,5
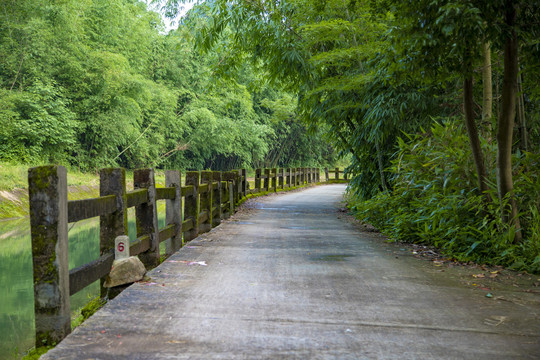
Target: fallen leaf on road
495,320
202,263
479,276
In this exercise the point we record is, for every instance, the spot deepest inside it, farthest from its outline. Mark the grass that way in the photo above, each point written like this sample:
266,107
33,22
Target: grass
15,176
36,353
9,209
85,312
14,180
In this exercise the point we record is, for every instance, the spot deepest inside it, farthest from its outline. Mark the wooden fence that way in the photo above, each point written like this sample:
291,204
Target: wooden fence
206,198
336,173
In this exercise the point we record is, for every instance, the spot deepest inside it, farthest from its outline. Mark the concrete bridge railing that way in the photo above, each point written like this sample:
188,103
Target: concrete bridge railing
206,198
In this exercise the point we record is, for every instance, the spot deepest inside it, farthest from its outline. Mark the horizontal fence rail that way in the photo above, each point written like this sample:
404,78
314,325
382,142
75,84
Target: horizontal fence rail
206,199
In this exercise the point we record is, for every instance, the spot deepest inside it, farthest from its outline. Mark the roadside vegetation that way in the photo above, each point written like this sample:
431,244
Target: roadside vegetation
437,103
434,200
99,83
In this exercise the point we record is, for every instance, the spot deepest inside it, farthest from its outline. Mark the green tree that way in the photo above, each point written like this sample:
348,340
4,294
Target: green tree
450,33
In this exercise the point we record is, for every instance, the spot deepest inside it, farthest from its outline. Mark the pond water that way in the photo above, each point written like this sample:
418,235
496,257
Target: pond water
16,284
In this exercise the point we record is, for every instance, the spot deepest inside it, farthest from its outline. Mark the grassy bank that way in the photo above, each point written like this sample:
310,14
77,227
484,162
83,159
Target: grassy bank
14,187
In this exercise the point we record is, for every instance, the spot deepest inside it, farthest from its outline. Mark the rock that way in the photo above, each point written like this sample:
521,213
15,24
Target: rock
125,271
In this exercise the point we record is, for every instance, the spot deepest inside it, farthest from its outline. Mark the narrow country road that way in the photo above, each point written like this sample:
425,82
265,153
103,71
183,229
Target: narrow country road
290,279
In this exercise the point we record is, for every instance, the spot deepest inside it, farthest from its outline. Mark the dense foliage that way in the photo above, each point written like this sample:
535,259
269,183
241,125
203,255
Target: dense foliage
261,83
370,72
434,201
98,83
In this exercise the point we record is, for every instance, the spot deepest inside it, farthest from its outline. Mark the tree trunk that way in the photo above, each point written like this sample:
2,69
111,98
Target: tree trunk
524,141
487,105
381,166
474,139
505,129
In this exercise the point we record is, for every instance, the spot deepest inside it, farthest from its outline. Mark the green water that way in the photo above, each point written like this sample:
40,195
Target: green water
16,293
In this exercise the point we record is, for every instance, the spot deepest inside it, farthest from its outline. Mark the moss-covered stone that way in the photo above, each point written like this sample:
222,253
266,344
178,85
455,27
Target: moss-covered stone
47,188
191,205
146,216
205,202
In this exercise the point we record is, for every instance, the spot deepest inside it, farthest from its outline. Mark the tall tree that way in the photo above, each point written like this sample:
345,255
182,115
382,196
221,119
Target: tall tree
487,84
505,128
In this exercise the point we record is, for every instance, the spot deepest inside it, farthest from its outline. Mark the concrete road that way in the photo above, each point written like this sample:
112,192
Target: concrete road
290,279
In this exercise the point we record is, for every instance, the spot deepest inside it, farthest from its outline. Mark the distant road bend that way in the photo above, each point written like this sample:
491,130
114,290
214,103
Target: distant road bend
290,279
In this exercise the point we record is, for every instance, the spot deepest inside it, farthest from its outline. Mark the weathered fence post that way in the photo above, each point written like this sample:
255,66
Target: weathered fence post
47,188
337,173
112,181
303,176
206,202
191,205
345,175
173,210
281,177
258,180
318,172
232,178
274,180
293,177
231,197
146,215
225,209
216,198
244,183
326,174
266,179
239,185
288,177
309,175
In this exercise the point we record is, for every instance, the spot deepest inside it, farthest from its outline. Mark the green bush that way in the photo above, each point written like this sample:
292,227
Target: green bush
435,201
